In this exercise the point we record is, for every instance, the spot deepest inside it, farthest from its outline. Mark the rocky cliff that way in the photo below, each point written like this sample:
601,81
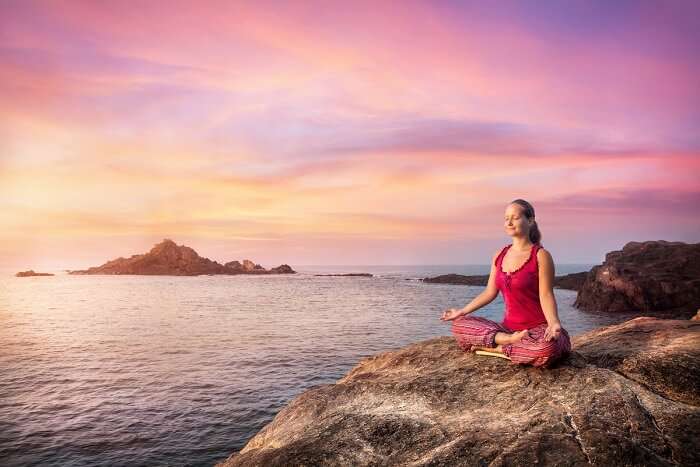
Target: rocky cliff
168,258
627,395
653,277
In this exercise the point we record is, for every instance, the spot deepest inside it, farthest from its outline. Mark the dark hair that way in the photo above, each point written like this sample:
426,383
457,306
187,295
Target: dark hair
529,212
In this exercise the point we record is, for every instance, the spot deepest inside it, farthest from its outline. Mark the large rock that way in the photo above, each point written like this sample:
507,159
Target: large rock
432,404
168,258
661,354
654,277
247,267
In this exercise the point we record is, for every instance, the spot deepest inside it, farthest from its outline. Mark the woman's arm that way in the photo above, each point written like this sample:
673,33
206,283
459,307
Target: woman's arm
487,295
546,276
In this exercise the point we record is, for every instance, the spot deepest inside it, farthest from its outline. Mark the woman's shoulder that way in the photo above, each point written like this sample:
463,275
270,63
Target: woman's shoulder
542,253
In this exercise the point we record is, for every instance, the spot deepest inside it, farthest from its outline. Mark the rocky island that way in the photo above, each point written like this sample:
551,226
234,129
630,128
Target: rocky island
628,394
31,273
168,258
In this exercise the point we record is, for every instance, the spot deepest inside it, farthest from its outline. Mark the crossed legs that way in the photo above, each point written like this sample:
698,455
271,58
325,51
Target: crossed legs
527,346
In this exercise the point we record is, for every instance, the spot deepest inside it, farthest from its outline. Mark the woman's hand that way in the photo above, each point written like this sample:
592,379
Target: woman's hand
451,314
552,332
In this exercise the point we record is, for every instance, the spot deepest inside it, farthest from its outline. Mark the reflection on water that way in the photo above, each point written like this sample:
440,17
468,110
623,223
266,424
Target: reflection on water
116,370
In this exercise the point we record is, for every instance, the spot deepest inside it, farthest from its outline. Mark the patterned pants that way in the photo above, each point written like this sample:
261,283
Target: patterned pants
475,331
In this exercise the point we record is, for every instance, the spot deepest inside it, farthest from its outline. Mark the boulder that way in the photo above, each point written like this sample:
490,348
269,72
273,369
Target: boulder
654,277
250,266
235,265
430,403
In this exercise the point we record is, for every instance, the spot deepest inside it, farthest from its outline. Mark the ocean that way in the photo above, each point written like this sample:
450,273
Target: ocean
162,370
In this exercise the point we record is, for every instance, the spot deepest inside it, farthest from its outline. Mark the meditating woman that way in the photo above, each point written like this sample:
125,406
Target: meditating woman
523,271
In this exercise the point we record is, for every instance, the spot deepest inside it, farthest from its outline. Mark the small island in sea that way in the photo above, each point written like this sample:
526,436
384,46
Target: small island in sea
31,273
169,259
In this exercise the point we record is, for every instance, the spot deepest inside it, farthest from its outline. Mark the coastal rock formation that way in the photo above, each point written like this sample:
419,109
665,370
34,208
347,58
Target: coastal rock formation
247,267
430,403
569,281
282,269
458,279
31,273
168,258
653,277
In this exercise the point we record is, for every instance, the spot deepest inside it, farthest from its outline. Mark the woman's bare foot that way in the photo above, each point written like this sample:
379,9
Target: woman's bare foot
497,349
516,336
505,338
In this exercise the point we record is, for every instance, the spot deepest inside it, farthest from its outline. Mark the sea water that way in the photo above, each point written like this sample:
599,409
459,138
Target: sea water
162,370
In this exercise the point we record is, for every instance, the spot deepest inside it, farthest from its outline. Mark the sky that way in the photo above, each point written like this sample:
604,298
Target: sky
344,132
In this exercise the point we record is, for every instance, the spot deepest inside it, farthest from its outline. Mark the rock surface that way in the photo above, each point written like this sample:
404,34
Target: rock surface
661,354
569,281
31,273
650,277
168,258
431,404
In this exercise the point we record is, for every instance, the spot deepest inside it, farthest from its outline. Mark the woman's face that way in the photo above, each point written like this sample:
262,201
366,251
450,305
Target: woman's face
516,224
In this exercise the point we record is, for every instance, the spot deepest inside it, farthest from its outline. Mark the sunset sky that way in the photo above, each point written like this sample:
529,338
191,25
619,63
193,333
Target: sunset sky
344,132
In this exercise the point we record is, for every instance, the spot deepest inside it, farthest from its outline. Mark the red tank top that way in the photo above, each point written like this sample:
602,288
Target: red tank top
521,292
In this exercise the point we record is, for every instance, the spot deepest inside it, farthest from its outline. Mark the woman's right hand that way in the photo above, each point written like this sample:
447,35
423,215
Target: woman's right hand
450,314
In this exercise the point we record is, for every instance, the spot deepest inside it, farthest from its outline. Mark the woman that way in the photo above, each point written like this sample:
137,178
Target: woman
523,271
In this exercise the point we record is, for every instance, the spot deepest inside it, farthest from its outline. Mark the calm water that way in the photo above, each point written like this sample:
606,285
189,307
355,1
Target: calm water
142,370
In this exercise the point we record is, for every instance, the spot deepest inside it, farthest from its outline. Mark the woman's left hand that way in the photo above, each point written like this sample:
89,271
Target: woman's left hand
553,331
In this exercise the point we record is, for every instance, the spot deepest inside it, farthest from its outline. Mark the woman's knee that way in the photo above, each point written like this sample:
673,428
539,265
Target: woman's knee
546,349
536,354
474,331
